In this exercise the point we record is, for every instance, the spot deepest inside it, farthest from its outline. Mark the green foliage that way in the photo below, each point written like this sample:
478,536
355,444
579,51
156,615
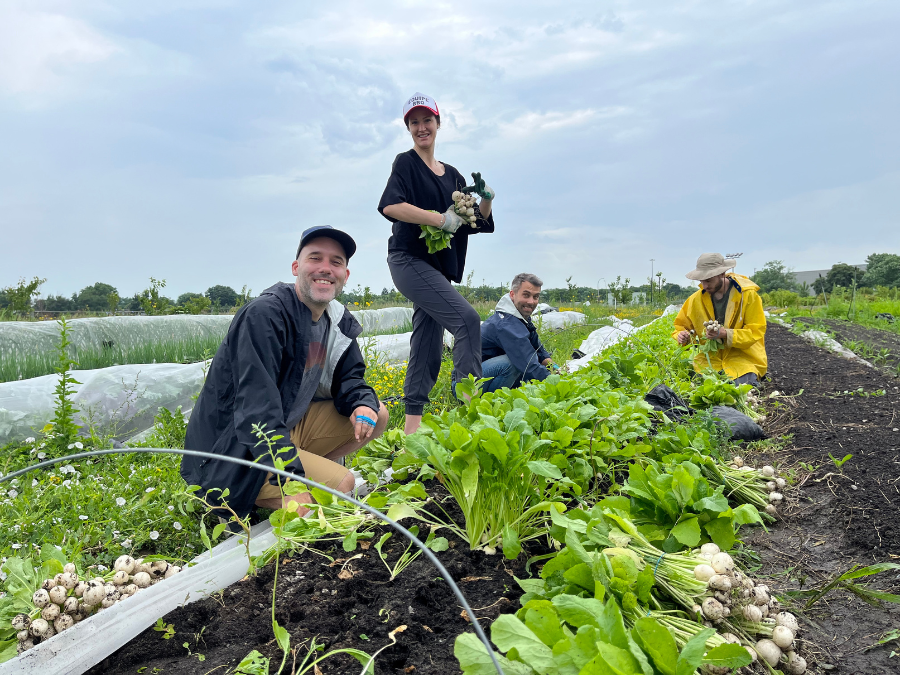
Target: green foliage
775,276
718,391
222,296
681,509
882,269
64,430
435,238
841,274
96,297
152,302
17,299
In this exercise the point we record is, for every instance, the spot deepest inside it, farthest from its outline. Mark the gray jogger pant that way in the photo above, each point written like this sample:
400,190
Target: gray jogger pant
436,306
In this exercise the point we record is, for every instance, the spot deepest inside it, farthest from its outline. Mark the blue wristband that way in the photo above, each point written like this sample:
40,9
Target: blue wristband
363,418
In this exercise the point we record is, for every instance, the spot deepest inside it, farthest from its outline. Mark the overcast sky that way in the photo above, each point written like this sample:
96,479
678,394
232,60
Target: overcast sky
194,141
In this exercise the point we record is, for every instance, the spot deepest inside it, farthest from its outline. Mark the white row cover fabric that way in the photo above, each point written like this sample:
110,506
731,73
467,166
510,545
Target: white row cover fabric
391,349
822,339
607,336
22,337
88,642
557,320
374,321
120,400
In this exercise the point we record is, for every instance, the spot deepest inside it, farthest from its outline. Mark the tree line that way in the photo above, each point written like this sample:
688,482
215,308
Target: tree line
882,269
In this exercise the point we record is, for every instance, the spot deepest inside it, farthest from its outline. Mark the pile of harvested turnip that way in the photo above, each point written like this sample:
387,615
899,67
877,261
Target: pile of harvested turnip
64,600
745,608
764,482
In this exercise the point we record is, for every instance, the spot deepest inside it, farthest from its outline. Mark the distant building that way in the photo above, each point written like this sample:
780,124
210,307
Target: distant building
810,276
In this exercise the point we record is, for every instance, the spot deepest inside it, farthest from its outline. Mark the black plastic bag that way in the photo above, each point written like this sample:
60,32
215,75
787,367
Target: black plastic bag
664,399
742,428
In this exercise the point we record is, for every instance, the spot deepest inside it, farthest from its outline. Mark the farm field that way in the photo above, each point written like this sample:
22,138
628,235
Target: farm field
597,432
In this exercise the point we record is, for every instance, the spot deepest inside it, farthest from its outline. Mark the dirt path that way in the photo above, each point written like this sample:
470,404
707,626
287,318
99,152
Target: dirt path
838,516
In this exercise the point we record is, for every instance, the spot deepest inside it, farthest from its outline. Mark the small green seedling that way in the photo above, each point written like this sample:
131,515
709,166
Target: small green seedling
840,462
168,630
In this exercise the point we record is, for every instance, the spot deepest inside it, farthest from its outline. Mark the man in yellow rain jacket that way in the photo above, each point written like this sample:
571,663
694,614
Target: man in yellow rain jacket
732,300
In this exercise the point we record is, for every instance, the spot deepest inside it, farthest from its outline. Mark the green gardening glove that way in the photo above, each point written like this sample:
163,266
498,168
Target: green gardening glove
480,188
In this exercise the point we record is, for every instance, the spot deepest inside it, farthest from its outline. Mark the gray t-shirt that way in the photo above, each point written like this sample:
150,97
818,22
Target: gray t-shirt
719,306
312,371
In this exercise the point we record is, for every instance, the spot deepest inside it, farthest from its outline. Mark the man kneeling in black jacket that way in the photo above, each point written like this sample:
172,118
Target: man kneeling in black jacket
290,361
511,351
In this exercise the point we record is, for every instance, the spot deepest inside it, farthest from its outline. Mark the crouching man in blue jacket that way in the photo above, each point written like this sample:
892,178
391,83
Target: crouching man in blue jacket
511,352
290,361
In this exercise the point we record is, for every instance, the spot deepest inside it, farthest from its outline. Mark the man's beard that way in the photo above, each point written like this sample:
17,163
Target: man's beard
316,294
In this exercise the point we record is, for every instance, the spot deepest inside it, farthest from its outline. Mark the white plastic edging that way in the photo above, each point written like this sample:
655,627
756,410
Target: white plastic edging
88,642
607,336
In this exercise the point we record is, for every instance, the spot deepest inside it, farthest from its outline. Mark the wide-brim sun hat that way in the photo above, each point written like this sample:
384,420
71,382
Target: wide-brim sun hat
420,100
710,265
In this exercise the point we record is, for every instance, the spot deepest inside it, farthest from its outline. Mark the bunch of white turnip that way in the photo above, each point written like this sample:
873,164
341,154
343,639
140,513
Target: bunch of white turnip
66,599
734,597
773,484
712,325
464,205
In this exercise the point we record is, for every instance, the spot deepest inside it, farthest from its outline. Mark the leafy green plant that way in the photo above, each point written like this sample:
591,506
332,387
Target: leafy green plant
63,431
676,505
167,629
716,391
838,463
846,582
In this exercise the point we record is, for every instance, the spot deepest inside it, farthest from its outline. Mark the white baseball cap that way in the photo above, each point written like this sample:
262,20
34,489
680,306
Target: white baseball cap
420,100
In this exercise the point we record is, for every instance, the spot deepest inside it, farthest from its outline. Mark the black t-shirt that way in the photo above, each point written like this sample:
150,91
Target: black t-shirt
413,182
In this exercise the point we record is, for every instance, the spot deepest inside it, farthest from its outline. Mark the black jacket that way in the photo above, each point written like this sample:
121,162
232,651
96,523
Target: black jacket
254,379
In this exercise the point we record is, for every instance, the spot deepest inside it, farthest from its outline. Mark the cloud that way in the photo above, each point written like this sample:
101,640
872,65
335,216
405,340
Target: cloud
38,49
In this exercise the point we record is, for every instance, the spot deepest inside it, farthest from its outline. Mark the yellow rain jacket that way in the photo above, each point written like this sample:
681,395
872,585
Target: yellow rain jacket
745,323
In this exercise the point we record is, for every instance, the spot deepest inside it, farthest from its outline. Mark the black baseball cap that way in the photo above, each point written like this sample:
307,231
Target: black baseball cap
342,238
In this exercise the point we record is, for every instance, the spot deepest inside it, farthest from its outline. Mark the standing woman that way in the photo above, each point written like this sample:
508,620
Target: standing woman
419,193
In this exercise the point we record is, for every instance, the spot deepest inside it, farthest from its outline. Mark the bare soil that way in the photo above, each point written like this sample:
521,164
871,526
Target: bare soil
357,612
836,517
883,342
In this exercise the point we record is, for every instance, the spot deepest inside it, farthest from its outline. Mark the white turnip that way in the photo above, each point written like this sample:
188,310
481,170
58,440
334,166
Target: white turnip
769,651
141,579
22,635
760,596
722,563
40,628
63,622
80,588
57,580
796,664
50,612
124,563
788,620
40,598
770,486
94,595
775,497
69,580
120,578
24,645
130,589
771,510
782,636
780,483
106,603
71,604
719,582
158,569
737,461
753,613
112,593
69,568
768,471
172,571
21,622
704,572
710,549
58,594
48,584
712,609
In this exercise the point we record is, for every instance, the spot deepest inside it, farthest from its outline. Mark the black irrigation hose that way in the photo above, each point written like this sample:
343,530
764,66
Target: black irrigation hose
309,483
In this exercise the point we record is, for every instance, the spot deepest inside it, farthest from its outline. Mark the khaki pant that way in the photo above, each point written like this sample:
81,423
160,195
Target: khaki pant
321,430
